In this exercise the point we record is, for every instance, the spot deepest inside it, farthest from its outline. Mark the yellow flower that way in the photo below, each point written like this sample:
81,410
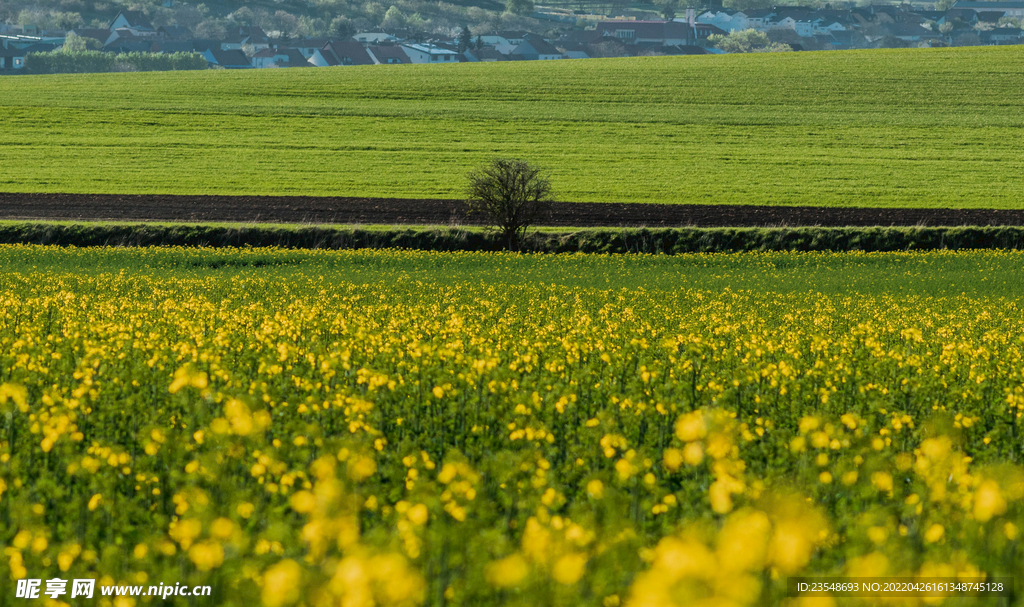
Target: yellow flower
673,458
743,541
281,584
222,528
206,555
693,454
878,535
874,564
691,426
720,496
303,501
808,424
507,572
418,514
361,468
934,533
569,568
1011,531
882,481
988,501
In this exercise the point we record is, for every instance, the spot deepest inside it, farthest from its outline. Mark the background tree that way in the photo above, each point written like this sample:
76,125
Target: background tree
465,39
73,43
742,5
967,39
66,21
747,41
393,19
190,16
211,29
243,16
342,27
512,195
519,7
668,12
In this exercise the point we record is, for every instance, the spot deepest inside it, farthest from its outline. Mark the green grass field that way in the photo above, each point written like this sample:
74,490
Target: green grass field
921,128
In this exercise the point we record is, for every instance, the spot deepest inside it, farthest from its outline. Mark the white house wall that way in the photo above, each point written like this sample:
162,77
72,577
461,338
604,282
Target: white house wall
318,59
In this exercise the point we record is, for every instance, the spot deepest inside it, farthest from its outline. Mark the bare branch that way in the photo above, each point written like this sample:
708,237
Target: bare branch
512,194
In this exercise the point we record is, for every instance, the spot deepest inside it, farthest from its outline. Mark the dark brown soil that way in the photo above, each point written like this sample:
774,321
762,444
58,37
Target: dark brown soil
313,210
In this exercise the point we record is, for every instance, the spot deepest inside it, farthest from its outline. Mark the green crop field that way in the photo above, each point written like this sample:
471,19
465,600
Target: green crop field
921,128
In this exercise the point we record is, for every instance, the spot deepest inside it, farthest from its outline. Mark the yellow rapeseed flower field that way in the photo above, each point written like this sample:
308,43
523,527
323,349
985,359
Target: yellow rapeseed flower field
401,428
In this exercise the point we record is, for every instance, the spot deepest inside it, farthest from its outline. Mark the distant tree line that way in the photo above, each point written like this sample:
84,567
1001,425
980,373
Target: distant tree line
59,62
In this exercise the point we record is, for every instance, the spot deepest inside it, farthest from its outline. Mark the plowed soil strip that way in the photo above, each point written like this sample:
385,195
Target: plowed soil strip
394,211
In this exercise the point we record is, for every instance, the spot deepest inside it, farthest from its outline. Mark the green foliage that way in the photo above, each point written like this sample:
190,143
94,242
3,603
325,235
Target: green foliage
71,62
742,5
671,241
47,18
519,7
393,18
747,41
73,43
668,11
834,129
342,27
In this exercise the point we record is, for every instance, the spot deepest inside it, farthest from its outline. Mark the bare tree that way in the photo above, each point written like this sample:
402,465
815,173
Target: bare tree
511,194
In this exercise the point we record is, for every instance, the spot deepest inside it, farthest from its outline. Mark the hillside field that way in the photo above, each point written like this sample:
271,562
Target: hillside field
914,128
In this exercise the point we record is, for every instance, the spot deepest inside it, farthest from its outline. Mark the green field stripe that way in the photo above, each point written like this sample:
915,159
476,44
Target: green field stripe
924,128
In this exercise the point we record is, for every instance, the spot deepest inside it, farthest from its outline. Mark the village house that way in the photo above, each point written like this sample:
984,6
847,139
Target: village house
725,19
278,58
1009,9
658,33
375,37
11,59
802,28
504,42
173,32
309,46
485,54
230,60
133,21
341,52
389,54
430,53
252,36
652,32
536,49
